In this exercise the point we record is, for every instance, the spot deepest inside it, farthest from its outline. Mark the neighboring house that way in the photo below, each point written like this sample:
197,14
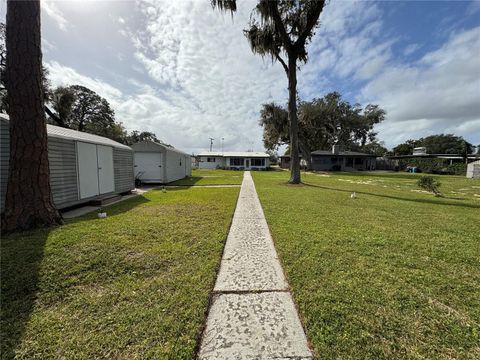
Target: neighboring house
158,163
233,160
284,162
83,167
473,170
339,160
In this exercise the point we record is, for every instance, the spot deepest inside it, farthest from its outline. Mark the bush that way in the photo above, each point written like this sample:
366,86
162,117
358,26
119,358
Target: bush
457,169
430,184
435,166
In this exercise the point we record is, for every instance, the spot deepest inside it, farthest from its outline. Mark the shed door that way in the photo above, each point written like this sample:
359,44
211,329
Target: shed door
87,169
148,166
105,169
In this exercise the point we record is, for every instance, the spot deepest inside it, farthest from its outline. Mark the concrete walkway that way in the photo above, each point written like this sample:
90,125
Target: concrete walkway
252,315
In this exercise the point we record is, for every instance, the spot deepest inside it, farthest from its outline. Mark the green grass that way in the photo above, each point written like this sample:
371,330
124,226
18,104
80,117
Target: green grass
211,177
135,285
392,274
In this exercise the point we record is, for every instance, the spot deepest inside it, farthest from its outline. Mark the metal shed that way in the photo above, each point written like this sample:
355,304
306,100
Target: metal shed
83,167
473,170
158,163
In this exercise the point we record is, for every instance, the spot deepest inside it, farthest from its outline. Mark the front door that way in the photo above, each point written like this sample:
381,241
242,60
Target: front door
247,163
106,183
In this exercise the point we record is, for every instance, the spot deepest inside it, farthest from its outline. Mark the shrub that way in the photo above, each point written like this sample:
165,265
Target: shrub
457,169
430,184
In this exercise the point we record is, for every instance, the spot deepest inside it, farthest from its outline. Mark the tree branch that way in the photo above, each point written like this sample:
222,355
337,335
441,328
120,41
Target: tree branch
54,117
279,58
279,25
312,18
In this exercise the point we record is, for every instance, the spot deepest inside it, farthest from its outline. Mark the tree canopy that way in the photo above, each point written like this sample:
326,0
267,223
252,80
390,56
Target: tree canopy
324,122
436,144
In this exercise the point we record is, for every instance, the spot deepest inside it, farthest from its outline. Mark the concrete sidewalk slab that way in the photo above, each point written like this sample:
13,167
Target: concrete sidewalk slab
253,315
254,326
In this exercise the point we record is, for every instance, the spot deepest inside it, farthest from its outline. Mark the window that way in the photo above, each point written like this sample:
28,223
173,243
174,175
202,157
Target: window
349,162
236,161
180,161
258,162
210,159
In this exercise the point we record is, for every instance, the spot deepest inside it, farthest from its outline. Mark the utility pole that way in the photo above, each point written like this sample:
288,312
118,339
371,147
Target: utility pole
222,145
211,143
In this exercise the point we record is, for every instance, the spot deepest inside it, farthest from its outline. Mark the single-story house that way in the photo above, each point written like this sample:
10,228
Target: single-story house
247,160
159,163
339,160
285,161
473,170
83,167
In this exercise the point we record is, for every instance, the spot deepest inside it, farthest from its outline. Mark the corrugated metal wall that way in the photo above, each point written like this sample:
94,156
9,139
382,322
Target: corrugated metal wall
63,171
4,157
123,170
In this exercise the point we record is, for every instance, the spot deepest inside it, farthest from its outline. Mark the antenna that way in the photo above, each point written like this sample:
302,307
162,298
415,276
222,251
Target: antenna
211,143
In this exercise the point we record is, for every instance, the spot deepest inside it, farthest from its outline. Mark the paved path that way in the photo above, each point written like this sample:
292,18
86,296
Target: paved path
252,314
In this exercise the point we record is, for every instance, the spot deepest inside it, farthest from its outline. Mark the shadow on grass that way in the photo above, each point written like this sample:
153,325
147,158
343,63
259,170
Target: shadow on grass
188,181
20,263
112,210
21,257
425,201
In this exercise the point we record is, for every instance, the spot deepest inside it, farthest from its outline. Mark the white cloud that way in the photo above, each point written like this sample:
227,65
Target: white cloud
65,76
410,49
50,8
440,93
196,77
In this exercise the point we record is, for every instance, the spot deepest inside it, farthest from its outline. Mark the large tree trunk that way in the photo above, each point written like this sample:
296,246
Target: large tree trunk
292,116
28,201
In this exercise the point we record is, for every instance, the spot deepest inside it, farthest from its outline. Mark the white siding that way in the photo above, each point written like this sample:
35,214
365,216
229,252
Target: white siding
204,164
174,166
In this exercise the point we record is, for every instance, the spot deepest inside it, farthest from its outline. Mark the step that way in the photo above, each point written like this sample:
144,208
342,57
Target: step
105,200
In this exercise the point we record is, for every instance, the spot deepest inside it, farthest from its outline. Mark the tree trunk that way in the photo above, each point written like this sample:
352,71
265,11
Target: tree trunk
292,116
54,117
28,201
307,156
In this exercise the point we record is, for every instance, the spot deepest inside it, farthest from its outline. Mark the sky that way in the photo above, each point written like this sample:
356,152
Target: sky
187,73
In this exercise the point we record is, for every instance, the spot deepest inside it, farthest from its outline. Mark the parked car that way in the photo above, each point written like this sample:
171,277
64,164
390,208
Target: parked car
413,169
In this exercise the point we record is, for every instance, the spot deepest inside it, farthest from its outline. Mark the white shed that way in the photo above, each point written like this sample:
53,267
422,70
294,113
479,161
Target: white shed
158,163
473,170
83,167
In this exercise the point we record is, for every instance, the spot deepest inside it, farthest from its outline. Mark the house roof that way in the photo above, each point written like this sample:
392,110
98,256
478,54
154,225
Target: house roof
152,145
64,133
340,153
249,154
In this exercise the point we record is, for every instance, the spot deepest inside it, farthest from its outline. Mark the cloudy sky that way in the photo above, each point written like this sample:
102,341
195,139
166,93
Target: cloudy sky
186,72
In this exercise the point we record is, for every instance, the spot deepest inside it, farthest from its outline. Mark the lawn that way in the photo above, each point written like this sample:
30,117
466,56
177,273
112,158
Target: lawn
392,274
135,285
211,177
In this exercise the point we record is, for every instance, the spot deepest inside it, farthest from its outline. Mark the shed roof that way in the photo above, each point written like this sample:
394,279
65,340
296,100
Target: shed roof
148,145
64,133
249,154
341,153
